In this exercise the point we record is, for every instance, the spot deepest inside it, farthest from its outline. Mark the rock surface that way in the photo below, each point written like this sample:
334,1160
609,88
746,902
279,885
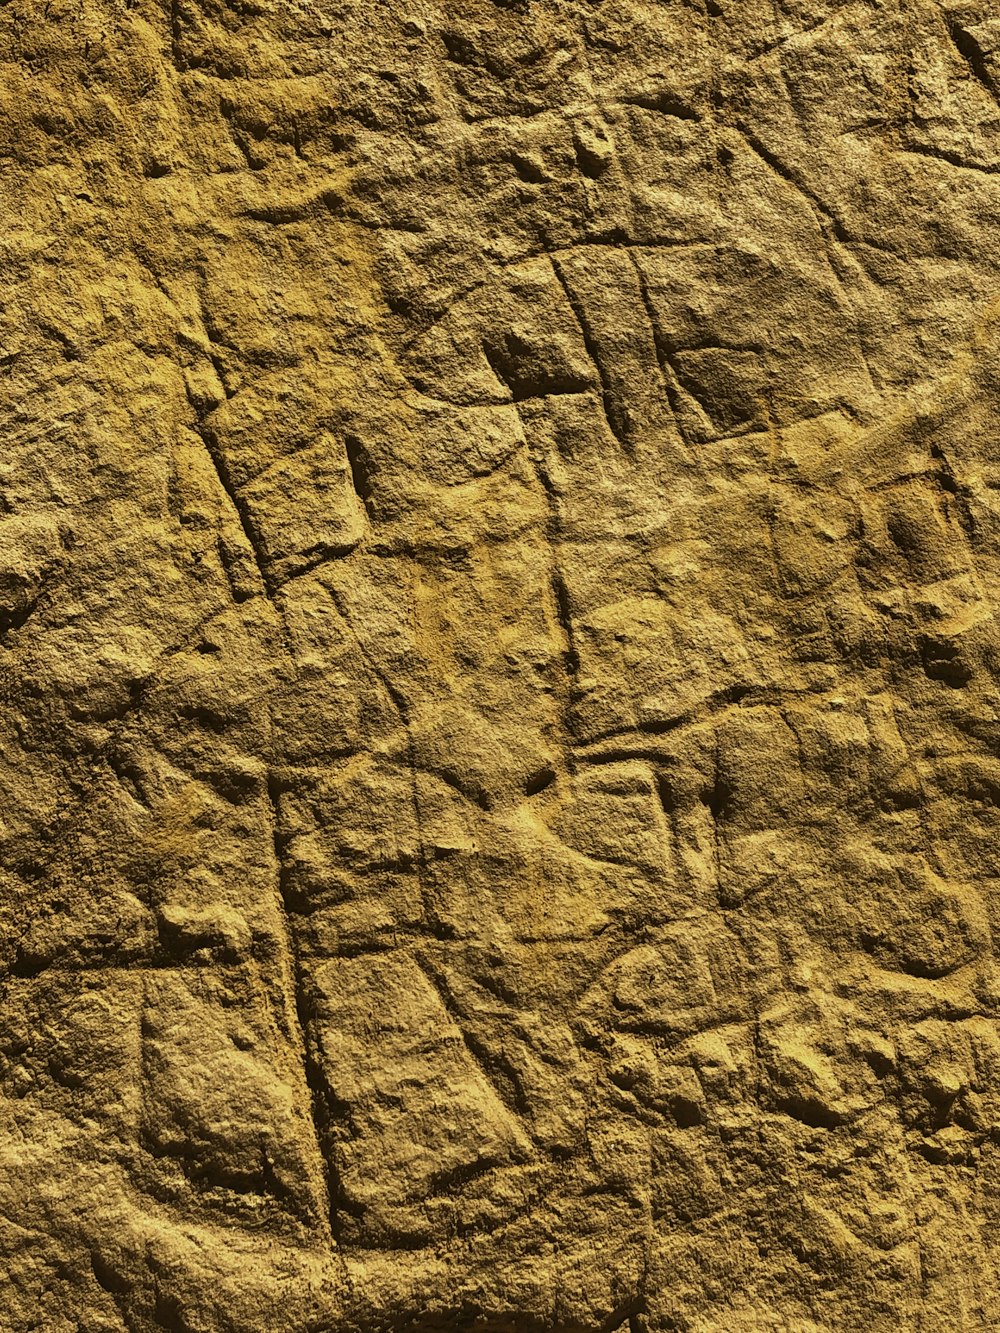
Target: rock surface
500,756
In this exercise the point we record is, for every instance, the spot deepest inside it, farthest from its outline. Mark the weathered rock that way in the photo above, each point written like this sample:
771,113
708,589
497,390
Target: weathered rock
500,758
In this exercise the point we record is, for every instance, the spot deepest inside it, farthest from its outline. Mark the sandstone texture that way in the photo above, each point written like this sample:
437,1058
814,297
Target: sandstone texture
500,745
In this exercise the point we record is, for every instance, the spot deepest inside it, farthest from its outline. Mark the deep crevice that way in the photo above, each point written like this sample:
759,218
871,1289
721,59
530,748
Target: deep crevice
974,56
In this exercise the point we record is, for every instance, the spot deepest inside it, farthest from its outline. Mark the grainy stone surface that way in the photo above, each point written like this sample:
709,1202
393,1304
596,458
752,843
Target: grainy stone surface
500,754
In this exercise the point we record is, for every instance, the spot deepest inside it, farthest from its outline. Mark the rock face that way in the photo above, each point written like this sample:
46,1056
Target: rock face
500,755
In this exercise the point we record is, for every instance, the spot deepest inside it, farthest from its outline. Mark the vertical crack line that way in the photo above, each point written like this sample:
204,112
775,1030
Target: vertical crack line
612,411
362,471
675,834
239,507
564,615
716,803
400,703
569,654
560,593
570,660
298,1012
664,357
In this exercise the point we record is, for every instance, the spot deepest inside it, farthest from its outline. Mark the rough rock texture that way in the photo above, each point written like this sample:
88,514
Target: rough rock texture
500,746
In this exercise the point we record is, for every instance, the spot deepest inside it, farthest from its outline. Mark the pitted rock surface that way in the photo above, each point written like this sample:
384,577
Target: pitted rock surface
500,746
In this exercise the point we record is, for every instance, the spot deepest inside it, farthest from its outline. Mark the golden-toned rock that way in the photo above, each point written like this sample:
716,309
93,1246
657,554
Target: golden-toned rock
500,759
